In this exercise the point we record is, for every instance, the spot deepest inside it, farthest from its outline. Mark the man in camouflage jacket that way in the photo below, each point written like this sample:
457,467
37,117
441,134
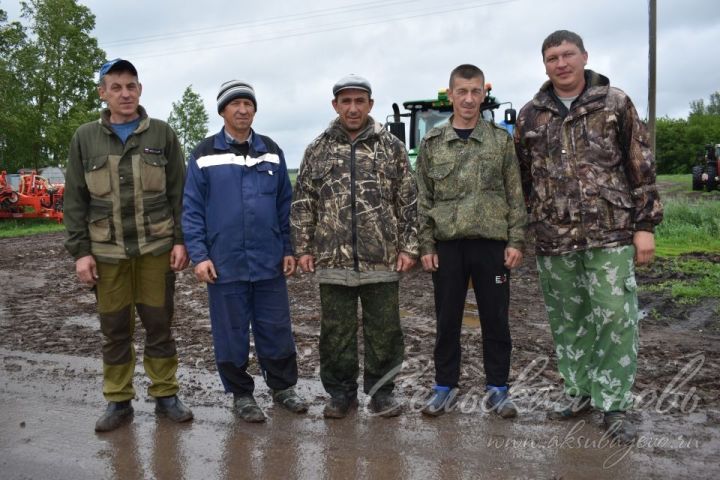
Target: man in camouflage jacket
589,175
471,226
353,221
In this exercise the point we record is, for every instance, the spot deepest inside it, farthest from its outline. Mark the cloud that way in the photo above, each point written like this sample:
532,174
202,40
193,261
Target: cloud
293,52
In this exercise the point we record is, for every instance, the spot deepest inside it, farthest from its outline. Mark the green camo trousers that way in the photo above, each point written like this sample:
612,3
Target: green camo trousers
145,284
591,301
383,337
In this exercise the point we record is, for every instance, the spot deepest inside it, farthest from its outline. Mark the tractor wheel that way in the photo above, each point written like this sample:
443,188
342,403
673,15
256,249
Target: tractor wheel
697,171
712,182
13,197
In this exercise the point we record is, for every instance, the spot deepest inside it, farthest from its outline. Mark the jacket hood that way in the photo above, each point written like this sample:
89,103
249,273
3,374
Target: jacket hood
596,85
338,132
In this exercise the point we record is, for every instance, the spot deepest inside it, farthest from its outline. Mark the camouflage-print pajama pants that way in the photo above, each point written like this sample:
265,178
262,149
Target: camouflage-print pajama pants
591,301
383,337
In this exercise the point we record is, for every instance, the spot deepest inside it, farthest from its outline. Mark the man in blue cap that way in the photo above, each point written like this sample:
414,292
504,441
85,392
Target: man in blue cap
123,199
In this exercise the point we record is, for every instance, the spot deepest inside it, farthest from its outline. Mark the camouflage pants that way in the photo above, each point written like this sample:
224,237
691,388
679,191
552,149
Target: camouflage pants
591,301
383,337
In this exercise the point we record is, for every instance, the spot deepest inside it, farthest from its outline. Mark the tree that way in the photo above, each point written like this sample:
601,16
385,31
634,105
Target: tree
189,120
50,65
698,107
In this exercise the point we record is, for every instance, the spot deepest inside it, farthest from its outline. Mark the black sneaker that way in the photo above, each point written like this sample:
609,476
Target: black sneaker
290,400
172,408
245,406
116,414
620,427
385,405
339,406
577,406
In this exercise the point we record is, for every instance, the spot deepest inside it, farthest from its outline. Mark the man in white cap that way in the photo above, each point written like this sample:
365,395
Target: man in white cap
353,220
236,211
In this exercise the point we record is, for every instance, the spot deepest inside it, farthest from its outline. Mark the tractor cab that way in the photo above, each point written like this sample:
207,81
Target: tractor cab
427,114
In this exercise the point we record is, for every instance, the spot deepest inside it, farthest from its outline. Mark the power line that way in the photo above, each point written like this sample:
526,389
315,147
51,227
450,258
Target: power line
257,23
307,31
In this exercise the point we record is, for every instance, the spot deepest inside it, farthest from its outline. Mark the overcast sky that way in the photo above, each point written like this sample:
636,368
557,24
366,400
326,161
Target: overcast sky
293,52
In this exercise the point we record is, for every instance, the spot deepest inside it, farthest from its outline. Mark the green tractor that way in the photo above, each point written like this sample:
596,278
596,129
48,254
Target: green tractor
705,174
426,114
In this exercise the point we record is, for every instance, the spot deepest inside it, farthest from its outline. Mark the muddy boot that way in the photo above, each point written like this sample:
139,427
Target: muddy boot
245,406
441,402
116,414
385,405
620,427
339,406
290,400
577,407
498,400
172,408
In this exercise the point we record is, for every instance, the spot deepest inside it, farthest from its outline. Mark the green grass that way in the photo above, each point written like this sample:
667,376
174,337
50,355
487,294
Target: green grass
688,226
703,281
18,227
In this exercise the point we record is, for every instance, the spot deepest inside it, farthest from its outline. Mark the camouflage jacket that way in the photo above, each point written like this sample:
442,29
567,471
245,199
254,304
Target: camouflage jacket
354,206
469,188
122,201
588,173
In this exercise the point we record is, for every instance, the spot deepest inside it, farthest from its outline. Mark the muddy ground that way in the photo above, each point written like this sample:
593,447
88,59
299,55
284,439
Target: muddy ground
43,310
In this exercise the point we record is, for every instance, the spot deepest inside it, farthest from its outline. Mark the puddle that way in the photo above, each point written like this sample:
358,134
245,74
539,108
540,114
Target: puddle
90,321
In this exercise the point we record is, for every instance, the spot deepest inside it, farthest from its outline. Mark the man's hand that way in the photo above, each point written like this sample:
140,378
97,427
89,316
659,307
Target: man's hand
289,265
430,262
86,270
307,263
513,257
178,258
644,247
205,272
404,262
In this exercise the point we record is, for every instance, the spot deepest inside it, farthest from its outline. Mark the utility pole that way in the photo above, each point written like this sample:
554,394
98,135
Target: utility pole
652,65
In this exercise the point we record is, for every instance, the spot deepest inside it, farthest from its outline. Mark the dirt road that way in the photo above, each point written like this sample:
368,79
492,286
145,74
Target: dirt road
50,391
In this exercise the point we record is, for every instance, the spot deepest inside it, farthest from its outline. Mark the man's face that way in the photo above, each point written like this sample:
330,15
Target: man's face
121,92
466,96
565,65
238,116
353,108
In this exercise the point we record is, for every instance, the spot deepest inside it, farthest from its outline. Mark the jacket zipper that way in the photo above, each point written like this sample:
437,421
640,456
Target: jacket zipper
353,209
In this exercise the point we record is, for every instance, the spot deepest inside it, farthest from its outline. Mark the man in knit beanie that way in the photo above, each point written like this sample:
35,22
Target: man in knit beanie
236,211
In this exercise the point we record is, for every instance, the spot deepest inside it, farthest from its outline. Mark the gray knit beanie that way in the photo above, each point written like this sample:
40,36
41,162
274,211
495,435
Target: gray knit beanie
233,89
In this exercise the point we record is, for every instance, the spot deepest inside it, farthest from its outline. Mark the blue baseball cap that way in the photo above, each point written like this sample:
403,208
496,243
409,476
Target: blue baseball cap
116,64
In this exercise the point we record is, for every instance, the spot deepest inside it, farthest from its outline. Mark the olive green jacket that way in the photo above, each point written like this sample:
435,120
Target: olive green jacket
122,201
469,188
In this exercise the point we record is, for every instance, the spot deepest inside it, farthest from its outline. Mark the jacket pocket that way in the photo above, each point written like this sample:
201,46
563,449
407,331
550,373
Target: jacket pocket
445,188
615,209
388,179
321,169
159,222
99,226
152,172
267,178
97,176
